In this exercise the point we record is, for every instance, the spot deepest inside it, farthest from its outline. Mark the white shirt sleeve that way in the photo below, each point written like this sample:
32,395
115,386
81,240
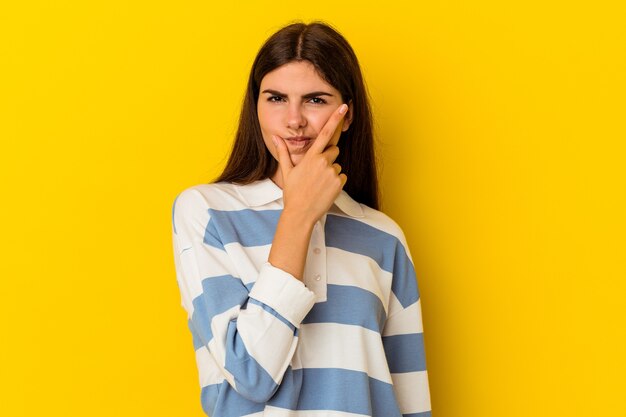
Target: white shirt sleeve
251,335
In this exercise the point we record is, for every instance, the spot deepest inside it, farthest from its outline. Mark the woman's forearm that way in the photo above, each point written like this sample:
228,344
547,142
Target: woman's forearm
291,243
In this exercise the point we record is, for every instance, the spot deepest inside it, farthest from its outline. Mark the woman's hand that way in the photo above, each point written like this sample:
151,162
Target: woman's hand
311,187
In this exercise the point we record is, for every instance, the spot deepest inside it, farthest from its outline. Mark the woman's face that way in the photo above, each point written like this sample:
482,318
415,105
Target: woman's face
294,101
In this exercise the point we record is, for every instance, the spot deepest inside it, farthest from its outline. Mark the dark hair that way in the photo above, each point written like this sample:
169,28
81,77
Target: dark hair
335,61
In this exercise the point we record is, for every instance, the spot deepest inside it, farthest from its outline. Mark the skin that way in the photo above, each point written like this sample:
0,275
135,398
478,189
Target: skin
308,176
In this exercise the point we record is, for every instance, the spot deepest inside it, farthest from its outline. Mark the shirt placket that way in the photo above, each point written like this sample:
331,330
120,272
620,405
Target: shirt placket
315,276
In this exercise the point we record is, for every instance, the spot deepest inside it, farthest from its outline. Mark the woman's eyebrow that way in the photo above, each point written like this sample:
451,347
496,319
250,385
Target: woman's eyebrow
308,95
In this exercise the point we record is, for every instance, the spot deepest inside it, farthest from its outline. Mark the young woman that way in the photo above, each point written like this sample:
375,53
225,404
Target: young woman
301,295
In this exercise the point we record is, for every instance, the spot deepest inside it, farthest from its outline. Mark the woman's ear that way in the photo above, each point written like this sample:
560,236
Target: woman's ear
347,119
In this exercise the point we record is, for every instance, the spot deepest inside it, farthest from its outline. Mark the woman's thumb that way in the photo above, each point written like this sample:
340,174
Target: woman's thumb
284,160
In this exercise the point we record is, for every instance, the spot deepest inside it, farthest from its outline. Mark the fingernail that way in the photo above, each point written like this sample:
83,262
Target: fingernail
274,140
343,108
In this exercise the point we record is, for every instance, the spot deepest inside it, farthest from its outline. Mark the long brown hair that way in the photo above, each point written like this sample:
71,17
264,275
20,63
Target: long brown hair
337,64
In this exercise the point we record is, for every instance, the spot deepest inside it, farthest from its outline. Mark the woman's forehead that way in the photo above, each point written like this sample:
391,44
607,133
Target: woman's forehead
300,76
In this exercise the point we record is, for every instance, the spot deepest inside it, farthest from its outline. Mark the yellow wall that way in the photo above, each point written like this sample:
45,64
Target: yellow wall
502,134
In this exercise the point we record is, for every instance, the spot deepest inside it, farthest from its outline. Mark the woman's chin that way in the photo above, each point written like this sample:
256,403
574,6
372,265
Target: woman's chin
295,159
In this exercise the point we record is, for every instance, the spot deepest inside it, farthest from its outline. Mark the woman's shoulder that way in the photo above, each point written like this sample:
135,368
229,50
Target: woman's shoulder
383,222
195,202
208,195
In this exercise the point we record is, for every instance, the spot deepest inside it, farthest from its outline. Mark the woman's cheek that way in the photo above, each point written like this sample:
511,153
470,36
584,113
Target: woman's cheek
318,120
273,122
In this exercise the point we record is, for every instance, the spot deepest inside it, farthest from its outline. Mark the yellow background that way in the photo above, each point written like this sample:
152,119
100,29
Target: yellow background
501,132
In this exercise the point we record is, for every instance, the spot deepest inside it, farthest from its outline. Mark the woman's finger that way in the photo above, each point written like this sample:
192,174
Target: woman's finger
329,130
344,178
331,153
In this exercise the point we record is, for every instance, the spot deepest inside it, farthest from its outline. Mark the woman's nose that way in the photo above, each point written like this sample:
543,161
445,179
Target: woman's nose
295,116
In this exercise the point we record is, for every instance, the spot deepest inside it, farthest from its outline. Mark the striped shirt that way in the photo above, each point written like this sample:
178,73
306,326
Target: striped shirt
346,341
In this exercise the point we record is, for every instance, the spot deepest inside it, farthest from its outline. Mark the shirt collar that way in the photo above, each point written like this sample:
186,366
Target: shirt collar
265,191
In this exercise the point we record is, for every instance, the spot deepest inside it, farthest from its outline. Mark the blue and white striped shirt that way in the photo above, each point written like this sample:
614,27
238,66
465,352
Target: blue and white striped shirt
346,341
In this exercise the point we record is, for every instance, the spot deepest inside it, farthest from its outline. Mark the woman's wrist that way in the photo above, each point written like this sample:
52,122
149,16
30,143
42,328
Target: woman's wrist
298,218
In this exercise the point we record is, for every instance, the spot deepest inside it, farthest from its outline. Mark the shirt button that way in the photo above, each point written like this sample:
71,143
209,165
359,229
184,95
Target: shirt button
317,277
316,251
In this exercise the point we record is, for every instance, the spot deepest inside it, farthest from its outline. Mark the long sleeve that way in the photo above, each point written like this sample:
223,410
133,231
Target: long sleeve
250,334
403,338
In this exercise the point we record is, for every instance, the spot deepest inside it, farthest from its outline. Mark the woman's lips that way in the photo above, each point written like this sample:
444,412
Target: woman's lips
299,142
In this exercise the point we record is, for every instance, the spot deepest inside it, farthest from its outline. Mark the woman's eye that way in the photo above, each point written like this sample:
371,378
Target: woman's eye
276,99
